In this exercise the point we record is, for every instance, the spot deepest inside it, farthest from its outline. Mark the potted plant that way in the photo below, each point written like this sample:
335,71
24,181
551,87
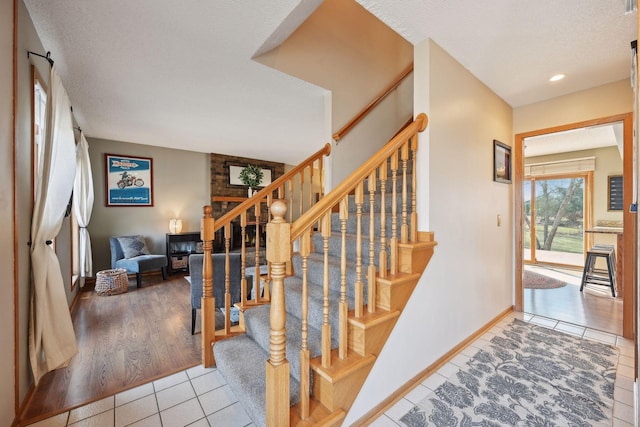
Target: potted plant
251,176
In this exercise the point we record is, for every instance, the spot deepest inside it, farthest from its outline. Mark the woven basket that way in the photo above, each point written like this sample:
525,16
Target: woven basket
112,282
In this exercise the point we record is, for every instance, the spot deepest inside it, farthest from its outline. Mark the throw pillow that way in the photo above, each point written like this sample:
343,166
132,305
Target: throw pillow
133,246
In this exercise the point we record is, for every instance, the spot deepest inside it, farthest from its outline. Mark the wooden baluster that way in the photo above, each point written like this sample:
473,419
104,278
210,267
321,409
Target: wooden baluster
305,250
393,241
371,274
257,246
208,303
359,291
291,189
382,263
243,260
311,188
321,170
301,195
404,228
227,282
326,326
277,367
344,305
413,236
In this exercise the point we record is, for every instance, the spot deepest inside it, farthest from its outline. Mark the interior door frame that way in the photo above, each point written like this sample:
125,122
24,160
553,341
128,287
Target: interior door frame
629,218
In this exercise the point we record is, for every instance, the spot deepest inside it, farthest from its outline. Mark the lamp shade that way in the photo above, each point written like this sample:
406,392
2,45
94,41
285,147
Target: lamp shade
175,225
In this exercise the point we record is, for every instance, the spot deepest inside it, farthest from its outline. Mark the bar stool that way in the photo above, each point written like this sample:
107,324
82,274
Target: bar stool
599,276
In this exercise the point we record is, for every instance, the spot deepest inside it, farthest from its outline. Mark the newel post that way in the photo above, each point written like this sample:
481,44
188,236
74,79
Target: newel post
208,301
277,367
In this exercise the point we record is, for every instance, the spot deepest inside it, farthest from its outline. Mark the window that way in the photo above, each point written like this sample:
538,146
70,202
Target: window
39,107
555,211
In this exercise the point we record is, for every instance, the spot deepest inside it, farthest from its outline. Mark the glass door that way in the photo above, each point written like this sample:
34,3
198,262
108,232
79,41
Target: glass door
554,215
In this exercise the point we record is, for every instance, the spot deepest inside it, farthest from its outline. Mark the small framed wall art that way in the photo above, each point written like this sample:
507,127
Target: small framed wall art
128,180
501,162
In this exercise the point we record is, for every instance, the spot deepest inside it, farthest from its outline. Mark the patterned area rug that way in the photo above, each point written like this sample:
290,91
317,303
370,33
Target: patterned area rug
533,280
527,376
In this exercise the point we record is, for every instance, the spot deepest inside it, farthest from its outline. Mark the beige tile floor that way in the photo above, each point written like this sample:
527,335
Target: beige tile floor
200,397
197,397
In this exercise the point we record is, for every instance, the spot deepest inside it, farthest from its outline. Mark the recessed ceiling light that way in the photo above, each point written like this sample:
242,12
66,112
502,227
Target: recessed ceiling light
557,77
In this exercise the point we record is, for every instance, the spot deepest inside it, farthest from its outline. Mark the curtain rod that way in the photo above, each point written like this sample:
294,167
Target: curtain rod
47,57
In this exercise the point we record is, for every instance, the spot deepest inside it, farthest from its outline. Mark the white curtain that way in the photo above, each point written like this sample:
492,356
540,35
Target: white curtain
83,204
52,341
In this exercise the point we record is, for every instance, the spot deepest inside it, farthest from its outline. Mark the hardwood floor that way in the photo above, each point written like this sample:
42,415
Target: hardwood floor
123,340
594,307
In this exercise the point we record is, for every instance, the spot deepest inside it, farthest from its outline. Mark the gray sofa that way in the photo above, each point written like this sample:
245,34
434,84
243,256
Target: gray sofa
195,270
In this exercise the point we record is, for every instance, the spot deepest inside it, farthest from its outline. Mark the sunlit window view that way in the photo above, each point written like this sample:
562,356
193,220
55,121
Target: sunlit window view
554,220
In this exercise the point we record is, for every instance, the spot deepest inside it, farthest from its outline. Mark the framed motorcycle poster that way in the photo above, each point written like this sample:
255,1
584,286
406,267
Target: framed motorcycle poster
128,180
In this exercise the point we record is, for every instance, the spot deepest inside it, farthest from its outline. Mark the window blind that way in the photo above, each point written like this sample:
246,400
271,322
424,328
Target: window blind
583,164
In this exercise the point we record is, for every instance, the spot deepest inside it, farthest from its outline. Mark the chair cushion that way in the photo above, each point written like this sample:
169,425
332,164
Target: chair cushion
133,246
141,263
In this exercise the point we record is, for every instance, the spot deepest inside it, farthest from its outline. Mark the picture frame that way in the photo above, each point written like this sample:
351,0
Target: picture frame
128,180
234,176
501,162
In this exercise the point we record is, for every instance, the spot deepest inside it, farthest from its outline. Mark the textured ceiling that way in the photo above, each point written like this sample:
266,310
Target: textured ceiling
181,74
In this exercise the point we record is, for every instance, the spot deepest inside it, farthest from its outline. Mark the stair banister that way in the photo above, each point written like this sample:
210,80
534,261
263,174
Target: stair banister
397,154
333,197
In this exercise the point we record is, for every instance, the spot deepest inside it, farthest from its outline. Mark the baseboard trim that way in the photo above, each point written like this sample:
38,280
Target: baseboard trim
383,406
25,404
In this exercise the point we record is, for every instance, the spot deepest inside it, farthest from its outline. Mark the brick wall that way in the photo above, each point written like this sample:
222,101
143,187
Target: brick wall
219,165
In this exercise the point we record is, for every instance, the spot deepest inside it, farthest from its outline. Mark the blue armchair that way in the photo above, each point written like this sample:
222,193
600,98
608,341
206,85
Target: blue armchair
131,253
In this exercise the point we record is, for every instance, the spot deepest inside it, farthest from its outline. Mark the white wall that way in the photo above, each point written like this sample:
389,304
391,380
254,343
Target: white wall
7,262
469,280
180,189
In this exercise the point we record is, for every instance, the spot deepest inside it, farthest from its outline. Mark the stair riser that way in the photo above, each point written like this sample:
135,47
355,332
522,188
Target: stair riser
339,394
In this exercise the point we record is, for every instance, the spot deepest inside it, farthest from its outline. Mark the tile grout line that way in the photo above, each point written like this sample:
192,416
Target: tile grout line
198,399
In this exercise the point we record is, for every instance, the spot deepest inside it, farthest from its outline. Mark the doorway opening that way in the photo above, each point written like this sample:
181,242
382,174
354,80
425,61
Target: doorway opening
562,198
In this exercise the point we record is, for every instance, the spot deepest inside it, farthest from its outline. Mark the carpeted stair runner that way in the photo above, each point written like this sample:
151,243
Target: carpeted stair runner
241,360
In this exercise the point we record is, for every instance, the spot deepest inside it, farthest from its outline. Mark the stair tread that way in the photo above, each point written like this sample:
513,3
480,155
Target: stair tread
246,375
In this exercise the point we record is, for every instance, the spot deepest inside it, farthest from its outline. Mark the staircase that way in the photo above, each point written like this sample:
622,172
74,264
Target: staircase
308,347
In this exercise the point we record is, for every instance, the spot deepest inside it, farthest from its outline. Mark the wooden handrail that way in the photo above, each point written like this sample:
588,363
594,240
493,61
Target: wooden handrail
262,194
329,200
378,99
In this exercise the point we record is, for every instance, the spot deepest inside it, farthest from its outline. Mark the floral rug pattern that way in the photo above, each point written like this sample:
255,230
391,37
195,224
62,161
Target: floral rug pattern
527,376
